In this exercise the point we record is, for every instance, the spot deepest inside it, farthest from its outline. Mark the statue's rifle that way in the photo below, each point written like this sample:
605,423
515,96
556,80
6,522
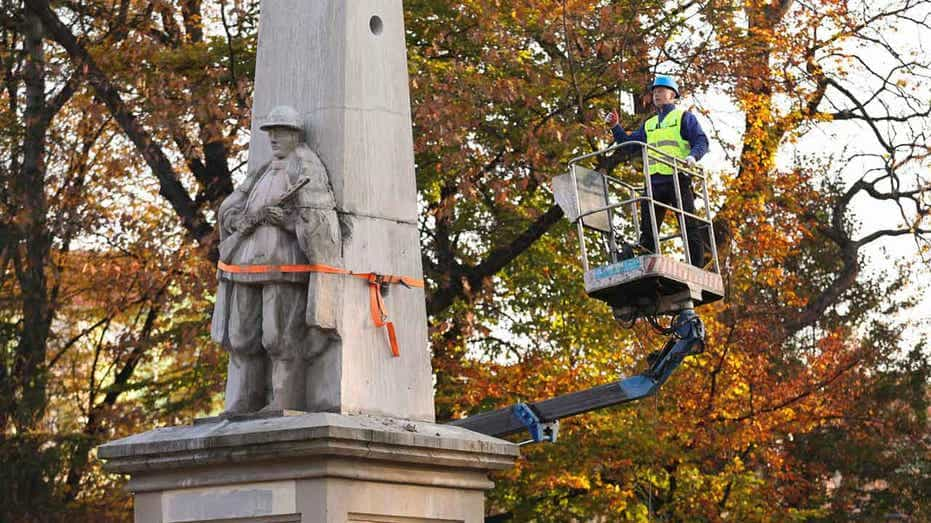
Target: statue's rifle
229,245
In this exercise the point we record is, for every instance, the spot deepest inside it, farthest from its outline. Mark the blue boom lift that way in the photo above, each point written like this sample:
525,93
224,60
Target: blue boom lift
637,281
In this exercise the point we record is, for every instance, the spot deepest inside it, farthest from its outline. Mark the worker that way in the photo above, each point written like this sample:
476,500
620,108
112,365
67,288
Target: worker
677,133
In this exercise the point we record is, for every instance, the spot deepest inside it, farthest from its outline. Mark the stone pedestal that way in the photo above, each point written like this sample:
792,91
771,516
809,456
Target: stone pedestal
309,468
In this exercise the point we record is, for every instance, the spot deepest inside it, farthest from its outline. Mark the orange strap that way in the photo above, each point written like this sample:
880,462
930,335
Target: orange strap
376,301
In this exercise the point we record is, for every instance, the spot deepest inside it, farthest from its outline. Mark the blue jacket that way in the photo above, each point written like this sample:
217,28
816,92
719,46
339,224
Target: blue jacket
691,132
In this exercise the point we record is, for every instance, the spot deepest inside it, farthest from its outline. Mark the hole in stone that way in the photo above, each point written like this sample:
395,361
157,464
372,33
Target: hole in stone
376,25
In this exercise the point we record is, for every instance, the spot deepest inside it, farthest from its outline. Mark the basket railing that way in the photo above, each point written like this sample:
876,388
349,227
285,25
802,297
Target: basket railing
635,195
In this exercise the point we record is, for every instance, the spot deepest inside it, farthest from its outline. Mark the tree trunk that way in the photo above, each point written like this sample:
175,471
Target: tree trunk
35,241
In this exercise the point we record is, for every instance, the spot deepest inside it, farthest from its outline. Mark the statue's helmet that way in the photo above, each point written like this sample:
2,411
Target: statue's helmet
283,116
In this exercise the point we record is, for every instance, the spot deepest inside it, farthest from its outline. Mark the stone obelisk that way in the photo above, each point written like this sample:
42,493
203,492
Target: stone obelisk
343,66
368,451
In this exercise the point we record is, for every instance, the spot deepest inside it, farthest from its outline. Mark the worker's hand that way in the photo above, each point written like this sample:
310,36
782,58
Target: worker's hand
691,161
274,215
611,118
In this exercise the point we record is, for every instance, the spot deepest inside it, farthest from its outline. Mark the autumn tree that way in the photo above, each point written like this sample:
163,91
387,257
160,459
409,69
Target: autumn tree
29,276
110,269
787,354
125,123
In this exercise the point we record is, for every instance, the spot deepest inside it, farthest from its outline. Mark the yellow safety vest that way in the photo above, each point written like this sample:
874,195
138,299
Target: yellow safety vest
667,137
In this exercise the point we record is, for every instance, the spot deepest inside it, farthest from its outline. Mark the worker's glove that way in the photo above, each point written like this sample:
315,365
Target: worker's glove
611,118
691,161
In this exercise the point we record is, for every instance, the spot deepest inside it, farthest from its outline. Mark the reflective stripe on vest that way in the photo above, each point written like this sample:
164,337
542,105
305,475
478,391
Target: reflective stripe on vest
667,137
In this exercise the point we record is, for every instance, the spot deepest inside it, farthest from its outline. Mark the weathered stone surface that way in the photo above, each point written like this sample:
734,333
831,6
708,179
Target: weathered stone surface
317,433
350,84
372,380
317,467
275,323
364,377
238,501
248,416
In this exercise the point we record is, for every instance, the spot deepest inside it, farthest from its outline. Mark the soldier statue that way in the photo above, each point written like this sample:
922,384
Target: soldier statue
274,313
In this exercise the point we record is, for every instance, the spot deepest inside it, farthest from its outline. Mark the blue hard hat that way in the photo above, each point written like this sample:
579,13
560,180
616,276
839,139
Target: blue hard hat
665,81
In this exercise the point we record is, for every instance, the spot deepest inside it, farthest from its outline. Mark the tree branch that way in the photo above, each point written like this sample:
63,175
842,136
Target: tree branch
496,260
170,186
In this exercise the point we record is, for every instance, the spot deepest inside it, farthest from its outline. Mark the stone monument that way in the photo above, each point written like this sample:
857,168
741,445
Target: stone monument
329,406
274,313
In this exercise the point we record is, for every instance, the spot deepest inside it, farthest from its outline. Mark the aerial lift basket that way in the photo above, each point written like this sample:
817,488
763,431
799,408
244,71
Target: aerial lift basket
638,280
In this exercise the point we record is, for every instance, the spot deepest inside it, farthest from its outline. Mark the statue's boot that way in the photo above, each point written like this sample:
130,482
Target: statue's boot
289,383
245,385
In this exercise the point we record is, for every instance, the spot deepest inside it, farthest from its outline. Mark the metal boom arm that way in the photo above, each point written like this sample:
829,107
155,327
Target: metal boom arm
541,418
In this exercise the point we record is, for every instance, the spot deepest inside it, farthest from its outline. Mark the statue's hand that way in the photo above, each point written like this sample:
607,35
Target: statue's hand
274,215
245,223
238,222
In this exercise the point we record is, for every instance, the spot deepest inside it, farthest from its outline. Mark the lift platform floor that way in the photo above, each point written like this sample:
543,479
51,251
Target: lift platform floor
652,284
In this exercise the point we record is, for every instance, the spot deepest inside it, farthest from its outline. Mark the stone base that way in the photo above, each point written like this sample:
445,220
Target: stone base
248,416
317,468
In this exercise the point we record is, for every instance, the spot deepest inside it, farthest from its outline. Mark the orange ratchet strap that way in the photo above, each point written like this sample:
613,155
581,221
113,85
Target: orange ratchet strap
375,281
